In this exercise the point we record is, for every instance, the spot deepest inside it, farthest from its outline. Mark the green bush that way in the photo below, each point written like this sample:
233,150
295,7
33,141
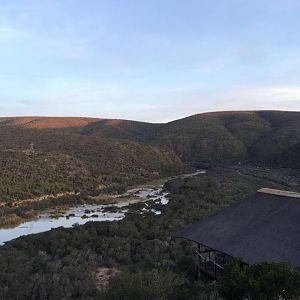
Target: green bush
147,285
262,281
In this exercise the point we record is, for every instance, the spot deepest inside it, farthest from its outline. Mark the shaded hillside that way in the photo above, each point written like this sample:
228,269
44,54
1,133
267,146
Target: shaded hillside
230,137
284,134
291,157
199,138
121,129
220,137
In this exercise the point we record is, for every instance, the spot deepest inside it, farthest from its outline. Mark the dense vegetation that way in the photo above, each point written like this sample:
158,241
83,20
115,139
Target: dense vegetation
291,157
221,137
81,154
230,137
63,263
225,137
37,162
262,281
79,157
26,175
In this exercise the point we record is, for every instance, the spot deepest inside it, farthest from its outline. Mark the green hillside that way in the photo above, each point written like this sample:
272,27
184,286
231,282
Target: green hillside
101,151
199,139
41,161
219,137
230,137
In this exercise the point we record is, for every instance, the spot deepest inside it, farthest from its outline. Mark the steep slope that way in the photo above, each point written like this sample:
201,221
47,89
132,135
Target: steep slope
230,137
199,138
284,134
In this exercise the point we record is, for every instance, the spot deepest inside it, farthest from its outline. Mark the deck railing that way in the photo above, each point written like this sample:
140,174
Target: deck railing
209,266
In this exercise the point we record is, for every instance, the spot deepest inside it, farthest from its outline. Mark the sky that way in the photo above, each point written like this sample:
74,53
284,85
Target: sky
148,60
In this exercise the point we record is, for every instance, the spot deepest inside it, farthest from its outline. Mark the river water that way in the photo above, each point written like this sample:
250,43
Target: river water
89,212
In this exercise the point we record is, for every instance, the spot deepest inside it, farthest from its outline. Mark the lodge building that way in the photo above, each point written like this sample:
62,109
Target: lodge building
264,227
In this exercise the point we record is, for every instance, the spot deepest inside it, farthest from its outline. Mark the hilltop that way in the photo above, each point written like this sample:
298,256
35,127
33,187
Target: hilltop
46,122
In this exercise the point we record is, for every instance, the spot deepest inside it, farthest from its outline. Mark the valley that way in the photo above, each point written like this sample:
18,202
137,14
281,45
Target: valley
138,245
115,209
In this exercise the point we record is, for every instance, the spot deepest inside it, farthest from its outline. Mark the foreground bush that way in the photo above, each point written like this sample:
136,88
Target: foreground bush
263,281
155,284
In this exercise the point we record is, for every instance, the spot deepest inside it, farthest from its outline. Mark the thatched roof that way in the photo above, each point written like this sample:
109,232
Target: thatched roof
262,227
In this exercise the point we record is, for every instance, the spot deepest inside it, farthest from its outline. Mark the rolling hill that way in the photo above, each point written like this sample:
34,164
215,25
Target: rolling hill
98,150
259,137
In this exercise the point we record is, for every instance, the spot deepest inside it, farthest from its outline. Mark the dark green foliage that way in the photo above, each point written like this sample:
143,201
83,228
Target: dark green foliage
199,138
117,152
290,157
60,264
231,137
157,284
25,175
67,162
148,285
264,281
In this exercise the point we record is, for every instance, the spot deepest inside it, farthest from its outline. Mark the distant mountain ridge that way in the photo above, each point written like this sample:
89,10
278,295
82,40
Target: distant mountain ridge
265,137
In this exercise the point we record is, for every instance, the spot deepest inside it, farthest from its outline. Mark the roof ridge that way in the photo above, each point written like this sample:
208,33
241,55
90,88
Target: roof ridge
279,192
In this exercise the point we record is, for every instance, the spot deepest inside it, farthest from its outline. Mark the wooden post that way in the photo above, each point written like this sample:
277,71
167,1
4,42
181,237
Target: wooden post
215,269
199,261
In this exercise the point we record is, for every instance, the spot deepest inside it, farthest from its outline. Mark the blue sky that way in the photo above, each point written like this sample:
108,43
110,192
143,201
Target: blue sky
155,60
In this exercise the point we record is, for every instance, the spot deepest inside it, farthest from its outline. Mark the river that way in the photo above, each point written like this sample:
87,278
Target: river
95,212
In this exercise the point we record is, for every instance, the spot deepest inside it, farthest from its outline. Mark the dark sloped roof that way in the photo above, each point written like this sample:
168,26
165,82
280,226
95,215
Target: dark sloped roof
262,227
